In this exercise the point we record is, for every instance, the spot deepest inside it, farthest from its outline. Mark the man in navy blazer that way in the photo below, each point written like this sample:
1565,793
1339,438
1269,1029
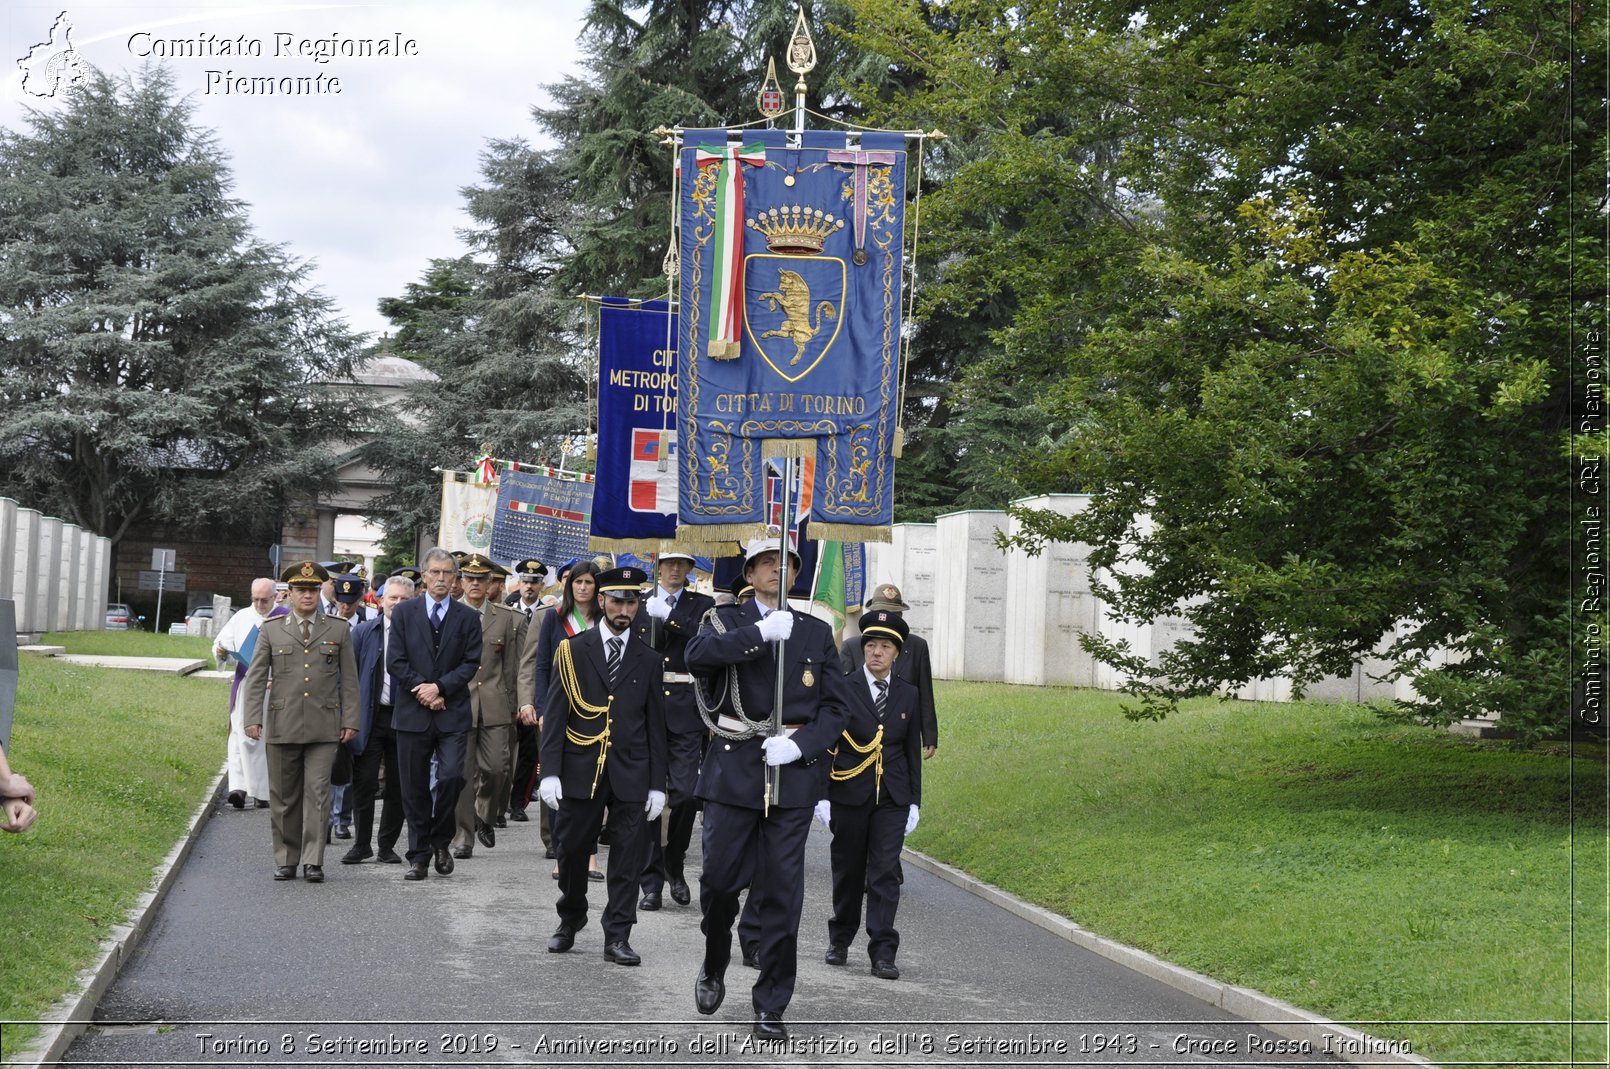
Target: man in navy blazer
376,745
435,653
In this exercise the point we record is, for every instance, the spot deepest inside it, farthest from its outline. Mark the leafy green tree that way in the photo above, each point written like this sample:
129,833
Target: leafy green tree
157,361
1314,363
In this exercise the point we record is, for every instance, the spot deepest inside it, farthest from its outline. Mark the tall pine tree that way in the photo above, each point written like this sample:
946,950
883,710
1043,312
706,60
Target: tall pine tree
157,361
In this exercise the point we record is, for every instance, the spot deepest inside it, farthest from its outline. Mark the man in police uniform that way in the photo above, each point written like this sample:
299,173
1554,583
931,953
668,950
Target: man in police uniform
742,833
486,757
349,591
313,709
674,615
603,744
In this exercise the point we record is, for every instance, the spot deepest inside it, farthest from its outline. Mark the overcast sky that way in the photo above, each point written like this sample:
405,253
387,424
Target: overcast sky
365,181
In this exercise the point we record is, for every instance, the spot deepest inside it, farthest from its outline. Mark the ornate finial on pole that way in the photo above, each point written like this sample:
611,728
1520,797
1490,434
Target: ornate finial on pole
770,99
801,60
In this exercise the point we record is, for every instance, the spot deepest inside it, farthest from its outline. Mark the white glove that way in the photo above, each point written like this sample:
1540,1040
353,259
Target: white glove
779,625
659,607
550,791
654,806
780,750
911,820
824,813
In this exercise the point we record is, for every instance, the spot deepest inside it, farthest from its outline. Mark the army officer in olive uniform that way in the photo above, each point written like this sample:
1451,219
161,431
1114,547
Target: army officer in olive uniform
312,709
486,751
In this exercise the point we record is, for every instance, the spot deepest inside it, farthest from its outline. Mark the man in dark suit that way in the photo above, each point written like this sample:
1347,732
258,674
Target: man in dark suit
435,653
674,616
376,744
743,834
913,664
603,744
872,801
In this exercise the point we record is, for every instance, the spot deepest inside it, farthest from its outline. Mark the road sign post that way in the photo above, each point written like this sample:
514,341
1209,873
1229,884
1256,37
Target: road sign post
162,561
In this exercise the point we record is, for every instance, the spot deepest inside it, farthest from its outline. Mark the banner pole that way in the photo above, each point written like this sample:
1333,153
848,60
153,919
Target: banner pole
773,778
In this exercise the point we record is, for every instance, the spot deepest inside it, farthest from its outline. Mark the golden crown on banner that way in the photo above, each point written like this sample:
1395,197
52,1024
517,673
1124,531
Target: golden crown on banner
794,229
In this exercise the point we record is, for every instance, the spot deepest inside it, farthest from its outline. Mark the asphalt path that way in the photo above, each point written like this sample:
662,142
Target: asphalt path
369,969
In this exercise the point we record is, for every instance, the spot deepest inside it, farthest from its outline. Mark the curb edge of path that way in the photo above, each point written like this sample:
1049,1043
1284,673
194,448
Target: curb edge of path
1279,1017
73,1013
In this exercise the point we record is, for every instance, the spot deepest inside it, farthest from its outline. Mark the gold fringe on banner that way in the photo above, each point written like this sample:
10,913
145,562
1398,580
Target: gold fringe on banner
782,448
702,538
848,532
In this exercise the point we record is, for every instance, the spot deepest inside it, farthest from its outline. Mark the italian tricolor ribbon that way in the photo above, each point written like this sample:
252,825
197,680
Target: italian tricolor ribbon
726,267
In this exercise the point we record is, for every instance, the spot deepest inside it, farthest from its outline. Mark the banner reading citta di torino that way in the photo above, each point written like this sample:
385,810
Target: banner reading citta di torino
790,327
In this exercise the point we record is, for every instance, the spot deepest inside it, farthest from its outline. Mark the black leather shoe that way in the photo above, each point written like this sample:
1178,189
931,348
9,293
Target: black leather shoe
751,958
285,872
484,832
462,852
651,901
770,1026
237,799
596,875
548,853
708,991
837,955
561,940
388,856
885,970
313,873
343,831
444,862
679,890
501,822
621,953
262,803
417,871
518,816
357,854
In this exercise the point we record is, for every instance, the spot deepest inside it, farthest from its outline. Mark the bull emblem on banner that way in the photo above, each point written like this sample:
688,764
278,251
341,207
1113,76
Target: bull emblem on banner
793,313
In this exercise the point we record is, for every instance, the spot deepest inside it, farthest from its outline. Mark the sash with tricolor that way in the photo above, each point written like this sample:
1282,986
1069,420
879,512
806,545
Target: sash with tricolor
789,337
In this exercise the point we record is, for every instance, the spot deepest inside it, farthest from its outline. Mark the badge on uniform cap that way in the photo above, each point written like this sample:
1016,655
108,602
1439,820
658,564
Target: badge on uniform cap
890,592
307,569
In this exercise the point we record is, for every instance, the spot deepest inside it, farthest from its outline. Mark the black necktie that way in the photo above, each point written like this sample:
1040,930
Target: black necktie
436,616
612,661
881,702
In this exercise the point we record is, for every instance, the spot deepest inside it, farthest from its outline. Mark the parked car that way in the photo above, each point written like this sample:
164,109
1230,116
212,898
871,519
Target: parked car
199,622
119,617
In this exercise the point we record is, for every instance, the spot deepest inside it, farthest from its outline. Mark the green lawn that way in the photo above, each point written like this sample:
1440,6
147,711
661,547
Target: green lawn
1365,871
120,760
129,643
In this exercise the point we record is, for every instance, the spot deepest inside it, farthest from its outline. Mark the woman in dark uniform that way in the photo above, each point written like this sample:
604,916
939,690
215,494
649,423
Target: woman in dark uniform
872,800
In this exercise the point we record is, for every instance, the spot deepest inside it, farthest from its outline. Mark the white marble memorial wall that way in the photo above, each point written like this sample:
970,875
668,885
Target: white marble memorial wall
1049,604
67,588
46,598
8,547
969,597
25,573
917,580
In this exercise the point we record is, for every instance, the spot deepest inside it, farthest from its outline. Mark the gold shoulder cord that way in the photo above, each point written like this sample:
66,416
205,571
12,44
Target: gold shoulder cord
875,749
584,710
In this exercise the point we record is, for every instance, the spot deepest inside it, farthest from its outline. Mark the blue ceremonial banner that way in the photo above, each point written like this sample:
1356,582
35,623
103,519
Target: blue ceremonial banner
634,504
541,515
790,328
